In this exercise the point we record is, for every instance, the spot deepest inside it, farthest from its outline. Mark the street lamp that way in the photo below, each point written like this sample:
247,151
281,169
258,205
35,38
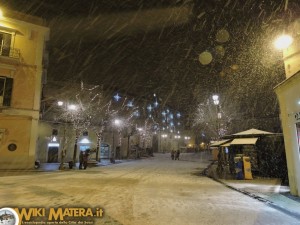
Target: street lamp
116,123
216,103
216,99
283,42
177,137
163,136
60,103
69,109
142,134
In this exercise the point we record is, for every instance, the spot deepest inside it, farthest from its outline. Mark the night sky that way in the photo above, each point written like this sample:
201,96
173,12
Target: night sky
143,47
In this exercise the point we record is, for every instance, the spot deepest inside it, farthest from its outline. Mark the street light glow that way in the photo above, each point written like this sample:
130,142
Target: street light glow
216,102
283,42
60,103
117,122
219,115
215,97
72,107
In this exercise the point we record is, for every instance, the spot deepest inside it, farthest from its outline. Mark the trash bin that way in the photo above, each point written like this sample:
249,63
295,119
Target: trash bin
71,164
37,164
239,168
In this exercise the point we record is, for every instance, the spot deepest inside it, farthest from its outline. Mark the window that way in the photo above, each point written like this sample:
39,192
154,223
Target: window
6,85
5,42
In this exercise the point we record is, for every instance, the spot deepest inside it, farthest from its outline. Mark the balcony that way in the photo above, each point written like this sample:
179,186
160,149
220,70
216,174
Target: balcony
12,53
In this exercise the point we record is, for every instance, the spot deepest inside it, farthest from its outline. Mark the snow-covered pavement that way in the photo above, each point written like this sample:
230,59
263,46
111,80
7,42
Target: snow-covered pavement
154,191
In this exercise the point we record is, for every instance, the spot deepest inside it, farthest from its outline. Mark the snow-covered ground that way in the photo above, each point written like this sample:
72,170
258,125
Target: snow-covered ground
154,191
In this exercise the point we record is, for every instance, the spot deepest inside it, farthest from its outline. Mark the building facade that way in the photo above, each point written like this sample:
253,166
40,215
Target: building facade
288,94
22,67
57,143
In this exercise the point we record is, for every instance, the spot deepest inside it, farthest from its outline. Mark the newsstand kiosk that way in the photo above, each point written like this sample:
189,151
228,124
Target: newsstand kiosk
243,168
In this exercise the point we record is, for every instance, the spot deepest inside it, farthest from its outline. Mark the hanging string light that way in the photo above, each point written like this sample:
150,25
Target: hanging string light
117,97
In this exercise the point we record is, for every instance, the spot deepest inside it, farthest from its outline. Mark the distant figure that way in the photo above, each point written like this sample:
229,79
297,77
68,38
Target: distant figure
86,158
81,159
172,154
177,154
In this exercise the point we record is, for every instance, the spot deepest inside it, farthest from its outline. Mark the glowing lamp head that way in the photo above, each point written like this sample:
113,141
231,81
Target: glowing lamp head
72,107
215,97
283,42
60,103
117,122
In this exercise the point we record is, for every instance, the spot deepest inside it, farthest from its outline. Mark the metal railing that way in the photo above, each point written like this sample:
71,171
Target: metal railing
10,52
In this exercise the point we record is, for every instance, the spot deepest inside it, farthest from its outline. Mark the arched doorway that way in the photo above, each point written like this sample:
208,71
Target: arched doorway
104,151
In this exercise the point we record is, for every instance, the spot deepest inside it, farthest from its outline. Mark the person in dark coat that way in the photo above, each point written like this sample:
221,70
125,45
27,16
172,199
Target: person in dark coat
86,158
177,154
81,159
172,154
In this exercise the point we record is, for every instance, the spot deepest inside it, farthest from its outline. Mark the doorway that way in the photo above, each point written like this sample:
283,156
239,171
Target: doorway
52,155
104,151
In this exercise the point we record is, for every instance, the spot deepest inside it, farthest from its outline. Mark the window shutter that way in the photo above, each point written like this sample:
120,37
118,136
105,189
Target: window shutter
8,91
2,84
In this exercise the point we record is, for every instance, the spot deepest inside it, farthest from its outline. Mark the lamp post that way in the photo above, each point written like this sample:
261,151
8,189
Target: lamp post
216,103
69,108
116,123
177,137
164,136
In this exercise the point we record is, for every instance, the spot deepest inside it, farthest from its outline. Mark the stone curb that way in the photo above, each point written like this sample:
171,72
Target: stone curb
259,198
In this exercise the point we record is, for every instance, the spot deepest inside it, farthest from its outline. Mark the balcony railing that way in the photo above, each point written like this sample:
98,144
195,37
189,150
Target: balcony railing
13,53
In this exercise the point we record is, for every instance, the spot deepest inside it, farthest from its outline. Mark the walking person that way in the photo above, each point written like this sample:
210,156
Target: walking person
172,154
81,160
177,154
86,158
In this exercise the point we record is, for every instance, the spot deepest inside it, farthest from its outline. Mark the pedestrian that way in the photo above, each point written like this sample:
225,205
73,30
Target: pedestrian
177,154
172,154
86,158
81,159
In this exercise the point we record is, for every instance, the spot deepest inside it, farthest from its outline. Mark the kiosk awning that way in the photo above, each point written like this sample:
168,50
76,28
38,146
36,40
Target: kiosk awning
218,143
226,145
252,132
244,141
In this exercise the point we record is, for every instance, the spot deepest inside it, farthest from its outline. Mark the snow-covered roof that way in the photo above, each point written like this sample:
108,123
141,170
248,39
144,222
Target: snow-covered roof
218,143
253,132
244,141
